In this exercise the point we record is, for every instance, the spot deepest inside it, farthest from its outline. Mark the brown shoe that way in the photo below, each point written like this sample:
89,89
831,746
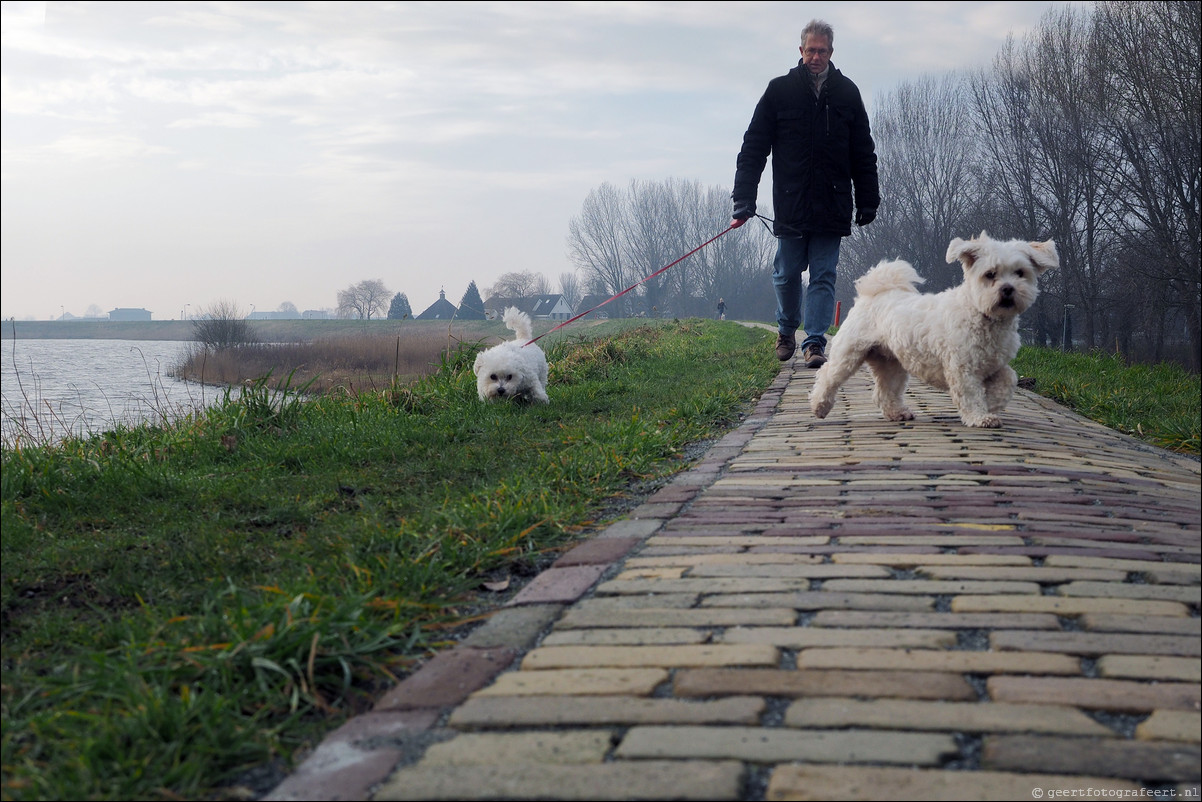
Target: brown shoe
786,344
813,357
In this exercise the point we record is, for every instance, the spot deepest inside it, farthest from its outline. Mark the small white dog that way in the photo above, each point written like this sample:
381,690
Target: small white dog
513,369
960,340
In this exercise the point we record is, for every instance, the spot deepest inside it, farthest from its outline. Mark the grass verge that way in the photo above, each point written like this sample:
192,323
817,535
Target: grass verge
1157,403
183,603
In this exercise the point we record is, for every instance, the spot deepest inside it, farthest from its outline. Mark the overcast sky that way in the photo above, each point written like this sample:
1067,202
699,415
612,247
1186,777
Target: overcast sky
168,155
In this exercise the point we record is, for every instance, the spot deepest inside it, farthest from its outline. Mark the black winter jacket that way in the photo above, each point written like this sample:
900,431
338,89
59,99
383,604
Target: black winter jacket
822,152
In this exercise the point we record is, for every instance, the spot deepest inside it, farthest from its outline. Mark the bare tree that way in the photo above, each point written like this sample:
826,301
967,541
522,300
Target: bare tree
569,288
596,243
223,325
622,240
519,285
1153,50
363,300
929,182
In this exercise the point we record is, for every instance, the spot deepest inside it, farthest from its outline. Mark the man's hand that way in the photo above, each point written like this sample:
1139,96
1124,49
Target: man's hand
737,221
865,216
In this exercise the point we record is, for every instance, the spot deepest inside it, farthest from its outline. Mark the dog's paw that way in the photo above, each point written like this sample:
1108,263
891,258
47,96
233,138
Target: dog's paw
820,408
984,422
898,414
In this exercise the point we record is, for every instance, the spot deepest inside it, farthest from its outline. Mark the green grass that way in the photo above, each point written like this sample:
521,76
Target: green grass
183,603
1156,403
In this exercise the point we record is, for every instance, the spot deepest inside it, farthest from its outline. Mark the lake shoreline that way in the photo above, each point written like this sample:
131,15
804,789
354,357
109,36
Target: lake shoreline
183,330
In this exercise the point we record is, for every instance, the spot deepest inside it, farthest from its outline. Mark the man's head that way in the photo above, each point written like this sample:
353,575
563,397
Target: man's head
817,45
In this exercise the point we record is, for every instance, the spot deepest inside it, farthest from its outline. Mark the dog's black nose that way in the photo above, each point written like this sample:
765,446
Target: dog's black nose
1007,292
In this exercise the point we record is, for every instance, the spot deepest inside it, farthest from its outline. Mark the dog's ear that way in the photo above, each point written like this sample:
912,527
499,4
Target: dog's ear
966,252
476,364
1043,256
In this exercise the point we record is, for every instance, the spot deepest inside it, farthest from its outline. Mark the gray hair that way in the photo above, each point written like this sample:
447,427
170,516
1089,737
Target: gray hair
817,27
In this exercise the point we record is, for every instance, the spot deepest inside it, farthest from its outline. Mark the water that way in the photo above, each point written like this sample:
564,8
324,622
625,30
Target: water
52,388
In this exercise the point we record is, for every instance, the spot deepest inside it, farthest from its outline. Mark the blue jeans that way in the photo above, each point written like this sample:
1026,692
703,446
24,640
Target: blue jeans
819,253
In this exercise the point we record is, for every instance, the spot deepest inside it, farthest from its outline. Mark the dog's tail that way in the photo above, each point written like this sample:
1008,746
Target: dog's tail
518,322
896,276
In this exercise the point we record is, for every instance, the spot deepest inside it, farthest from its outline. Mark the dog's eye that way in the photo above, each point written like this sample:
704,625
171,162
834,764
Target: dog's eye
493,376
1020,273
991,275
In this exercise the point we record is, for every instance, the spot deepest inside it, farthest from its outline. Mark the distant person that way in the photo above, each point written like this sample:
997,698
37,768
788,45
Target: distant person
721,309
814,124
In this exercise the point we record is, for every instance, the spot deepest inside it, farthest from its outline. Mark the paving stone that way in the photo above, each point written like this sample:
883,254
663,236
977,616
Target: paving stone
559,585
822,600
857,618
1062,605
658,572
703,585
1171,725
1096,694
870,784
628,528
928,586
808,637
767,745
1167,576
904,561
1137,760
825,571
626,637
504,712
447,679
598,551
515,627
934,660
577,681
677,540
354,757
672,656
617,781
560,746
707,682
738,558
908,714
1179,593
1122,565
1096,643
1025,573
652,617
1173,625
1181,669
611,603
949,541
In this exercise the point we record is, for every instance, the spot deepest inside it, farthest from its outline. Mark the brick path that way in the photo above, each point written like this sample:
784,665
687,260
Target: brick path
837,609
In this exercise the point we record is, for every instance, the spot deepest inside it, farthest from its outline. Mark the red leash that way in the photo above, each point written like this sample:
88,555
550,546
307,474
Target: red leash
632,286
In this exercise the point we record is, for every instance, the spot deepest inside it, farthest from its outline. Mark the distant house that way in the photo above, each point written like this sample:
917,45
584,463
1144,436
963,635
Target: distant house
442,309
126,314
539,307
316,314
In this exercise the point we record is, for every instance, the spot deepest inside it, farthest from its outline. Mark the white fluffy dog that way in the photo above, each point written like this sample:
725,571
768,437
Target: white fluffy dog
961,340
513,369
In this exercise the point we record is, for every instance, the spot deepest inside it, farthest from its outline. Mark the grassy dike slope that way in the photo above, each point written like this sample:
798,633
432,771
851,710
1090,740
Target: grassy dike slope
182,604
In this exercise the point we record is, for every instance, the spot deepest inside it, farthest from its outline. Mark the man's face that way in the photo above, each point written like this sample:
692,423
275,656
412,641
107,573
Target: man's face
816,53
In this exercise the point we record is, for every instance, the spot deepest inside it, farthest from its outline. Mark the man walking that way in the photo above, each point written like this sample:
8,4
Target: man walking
814,124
